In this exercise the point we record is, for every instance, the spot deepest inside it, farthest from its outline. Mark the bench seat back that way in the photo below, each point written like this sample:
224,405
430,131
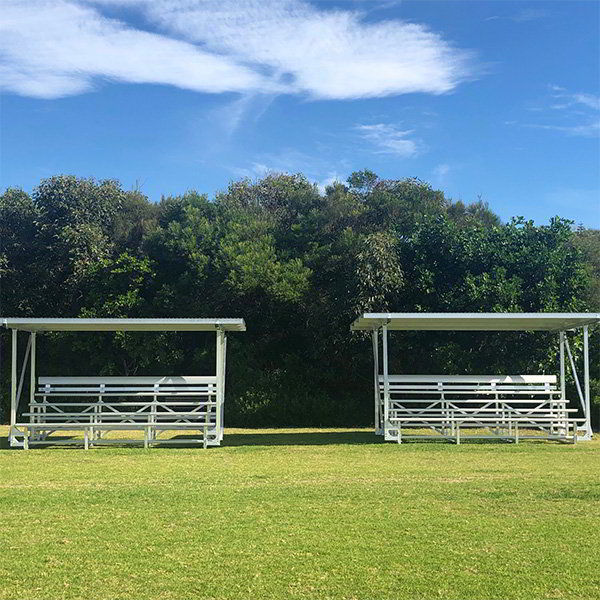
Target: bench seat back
471,381
475,386
178,400
126,386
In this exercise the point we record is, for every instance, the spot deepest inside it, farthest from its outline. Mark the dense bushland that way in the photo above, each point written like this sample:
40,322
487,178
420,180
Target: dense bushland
299,266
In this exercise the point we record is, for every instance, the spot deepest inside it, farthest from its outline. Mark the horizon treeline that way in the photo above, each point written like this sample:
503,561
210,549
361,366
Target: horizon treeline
298,265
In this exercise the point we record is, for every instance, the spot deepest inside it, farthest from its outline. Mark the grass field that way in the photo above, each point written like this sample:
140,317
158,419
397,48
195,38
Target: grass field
302,514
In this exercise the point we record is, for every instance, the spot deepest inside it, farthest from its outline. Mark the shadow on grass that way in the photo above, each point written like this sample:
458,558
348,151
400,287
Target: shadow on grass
325,438
4,444
285,438
301,438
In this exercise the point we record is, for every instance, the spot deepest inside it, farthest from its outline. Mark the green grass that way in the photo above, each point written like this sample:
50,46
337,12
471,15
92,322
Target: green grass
302,514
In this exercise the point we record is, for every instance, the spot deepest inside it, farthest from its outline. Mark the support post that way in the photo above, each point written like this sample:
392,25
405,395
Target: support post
32,368
563,383
586,383
562,366
222,423
378,429
220,373
13,388
386,380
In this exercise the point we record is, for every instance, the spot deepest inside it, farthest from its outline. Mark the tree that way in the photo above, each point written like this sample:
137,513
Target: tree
19,254
75,225
588,242
298,266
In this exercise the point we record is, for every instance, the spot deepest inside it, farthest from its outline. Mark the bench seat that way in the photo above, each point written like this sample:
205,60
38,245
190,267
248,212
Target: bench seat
96,405
500,405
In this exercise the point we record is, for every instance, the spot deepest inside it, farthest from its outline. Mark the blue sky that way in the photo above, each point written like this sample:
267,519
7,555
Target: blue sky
496,99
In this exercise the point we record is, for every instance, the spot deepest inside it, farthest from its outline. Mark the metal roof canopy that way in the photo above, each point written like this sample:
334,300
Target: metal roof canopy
82,324
20,438
556,322
474,321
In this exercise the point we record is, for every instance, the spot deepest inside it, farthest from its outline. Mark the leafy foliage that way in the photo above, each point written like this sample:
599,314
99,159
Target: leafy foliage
299,266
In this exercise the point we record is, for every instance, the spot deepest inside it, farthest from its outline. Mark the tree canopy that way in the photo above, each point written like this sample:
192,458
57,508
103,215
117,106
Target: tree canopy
298,265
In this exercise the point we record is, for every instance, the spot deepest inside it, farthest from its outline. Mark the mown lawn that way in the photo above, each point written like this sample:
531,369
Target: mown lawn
302,514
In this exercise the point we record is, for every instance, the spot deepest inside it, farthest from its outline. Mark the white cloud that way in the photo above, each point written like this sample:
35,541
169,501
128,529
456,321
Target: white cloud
53,48
530,14
325,53
572,113
441,171
329,180
389,139
591,129
56,48
246,107
255,171
258,170
524,16
588,100
319,170
567,100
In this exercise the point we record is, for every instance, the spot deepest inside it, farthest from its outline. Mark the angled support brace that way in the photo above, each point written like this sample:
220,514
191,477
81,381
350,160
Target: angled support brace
15,390
584,395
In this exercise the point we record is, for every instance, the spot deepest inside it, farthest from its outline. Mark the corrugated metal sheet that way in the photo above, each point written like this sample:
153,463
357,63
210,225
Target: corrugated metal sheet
57,324
475,321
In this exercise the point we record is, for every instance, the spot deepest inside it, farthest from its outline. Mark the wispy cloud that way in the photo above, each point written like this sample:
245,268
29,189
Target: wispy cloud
320,170
255,170
57,48
390,139
588,130
565,99
441,171
524,16
571,113
53,48
247,107
330,179
258,170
